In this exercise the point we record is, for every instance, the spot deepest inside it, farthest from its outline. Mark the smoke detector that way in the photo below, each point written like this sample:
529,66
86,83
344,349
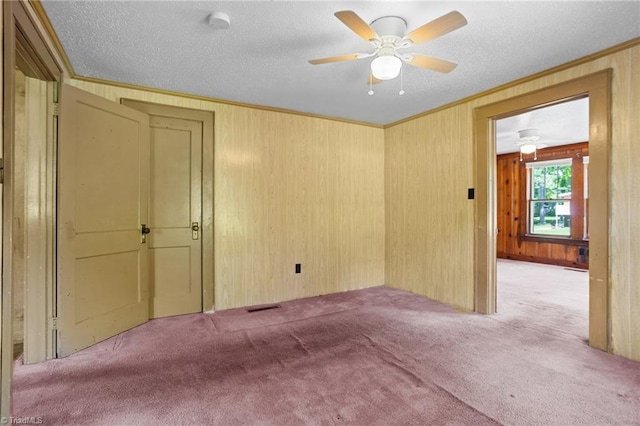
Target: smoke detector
219,21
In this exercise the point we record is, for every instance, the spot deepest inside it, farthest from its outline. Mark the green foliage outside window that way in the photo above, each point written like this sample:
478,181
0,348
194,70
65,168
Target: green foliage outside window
550,188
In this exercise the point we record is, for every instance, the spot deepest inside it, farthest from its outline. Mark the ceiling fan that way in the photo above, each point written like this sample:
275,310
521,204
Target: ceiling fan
388,35
528,142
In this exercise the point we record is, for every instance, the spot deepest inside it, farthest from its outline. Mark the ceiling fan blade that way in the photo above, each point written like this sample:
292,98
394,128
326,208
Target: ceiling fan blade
431,63
340,58
357,25
436,28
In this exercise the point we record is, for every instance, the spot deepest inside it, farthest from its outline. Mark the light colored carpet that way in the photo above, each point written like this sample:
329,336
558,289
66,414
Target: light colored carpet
546,298
377,356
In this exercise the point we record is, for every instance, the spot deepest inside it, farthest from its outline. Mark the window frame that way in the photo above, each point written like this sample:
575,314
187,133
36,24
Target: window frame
579,154
530,167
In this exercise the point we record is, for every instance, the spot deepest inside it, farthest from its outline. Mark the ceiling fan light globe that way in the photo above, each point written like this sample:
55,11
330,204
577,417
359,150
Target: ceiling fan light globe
386,67
528,148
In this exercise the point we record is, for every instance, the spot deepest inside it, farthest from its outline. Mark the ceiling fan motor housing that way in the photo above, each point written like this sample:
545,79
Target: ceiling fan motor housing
528,135
393,27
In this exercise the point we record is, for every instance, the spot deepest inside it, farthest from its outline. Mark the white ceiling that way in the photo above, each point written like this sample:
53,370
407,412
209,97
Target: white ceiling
262,58
560,124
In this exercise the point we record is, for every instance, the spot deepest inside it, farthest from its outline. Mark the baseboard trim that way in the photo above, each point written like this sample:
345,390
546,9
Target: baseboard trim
544,260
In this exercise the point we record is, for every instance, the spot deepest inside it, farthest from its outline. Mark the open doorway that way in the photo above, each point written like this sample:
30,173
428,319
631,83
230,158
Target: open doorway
32,226
542,160
30,73
597,88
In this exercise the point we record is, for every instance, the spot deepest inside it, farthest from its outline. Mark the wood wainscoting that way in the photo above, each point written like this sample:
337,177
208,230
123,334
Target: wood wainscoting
513,241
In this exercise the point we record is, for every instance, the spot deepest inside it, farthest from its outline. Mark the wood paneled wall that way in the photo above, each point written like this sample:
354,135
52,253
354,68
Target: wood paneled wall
512,212
429,241
288,189
429,166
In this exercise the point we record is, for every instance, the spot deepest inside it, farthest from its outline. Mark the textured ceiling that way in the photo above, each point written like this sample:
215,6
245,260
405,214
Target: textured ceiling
262,58
560,124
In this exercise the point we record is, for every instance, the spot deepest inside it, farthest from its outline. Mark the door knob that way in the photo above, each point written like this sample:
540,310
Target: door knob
195,229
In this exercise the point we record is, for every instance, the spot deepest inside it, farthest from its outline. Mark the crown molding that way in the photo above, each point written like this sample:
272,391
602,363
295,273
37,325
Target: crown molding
613,49
223,101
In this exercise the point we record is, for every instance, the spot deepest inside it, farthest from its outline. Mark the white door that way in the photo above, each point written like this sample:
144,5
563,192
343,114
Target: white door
175,211
103,175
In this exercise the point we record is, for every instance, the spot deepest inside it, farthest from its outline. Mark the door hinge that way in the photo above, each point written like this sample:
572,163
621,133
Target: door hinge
53,323
143,232
55,109
1,170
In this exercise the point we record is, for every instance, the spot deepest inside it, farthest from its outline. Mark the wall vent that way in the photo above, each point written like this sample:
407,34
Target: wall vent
262,308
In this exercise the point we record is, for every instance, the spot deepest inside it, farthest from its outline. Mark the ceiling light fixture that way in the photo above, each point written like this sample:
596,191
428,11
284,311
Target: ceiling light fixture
528,148
527,142
386,67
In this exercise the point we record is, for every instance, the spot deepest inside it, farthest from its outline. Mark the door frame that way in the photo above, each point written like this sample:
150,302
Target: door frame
208,119
597,87
24,45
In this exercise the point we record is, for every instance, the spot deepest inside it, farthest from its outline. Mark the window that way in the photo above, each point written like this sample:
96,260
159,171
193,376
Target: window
554,195
549,197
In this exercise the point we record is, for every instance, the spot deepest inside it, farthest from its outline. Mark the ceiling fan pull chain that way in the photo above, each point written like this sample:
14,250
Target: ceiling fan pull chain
401,92
370,84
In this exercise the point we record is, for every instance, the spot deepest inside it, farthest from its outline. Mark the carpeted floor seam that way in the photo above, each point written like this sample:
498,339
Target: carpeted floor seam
300,342
398,361
398,364
442,388
210,317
